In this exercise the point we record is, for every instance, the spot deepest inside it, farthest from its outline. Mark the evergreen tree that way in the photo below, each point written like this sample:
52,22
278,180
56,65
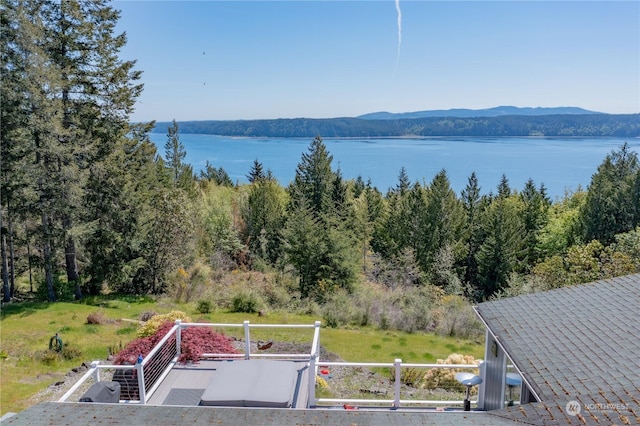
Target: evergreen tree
504,190
77,95
213,174
502,249
358,186
175,153
403,181
305,248
117,199
97,94
256,173
317,205
15,145
264,217
535,216
392,233
314,179
613,197
441,223
472,236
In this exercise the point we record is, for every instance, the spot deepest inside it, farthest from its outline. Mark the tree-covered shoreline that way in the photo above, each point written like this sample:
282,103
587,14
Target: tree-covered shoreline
561,125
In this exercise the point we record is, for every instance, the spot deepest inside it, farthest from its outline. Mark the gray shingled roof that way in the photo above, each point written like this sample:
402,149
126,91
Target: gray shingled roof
72,414
578,343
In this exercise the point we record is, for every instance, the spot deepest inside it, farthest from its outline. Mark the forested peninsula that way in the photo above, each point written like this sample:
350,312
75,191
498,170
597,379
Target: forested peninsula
556,125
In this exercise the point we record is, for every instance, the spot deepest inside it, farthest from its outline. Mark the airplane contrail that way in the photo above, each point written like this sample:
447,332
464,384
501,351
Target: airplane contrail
399,31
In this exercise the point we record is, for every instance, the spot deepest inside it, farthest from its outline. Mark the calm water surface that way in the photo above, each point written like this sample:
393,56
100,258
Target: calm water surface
558,163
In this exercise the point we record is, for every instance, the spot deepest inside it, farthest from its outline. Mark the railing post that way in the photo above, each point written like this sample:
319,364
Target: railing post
96,370
317,329
312,382
247,341
178,337
483,372
314,358
141,390
398,375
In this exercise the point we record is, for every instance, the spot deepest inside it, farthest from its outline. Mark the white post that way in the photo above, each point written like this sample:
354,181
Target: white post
396,399
312,382
178,337
141,391
483,374
313,360
96,370
247,341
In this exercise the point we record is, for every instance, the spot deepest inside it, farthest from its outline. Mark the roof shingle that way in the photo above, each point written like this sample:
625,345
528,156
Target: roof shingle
575,343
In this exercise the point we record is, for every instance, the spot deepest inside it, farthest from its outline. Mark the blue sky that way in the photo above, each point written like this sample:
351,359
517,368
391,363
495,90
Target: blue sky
227,60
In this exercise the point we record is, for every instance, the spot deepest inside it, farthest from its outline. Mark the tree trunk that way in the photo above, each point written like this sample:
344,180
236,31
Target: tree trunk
29,261
71,261
48,261
12,265
5,267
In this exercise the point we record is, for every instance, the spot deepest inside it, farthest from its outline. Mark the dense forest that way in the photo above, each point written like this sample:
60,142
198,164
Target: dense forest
89,206
563,125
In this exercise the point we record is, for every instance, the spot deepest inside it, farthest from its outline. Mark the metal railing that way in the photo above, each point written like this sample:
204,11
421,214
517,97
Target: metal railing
149,374
141,380
396,367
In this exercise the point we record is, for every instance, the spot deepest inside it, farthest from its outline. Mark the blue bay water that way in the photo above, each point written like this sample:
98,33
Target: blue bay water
560,163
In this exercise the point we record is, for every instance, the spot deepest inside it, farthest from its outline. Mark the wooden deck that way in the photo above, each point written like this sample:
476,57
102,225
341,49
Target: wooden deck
185,383
189,376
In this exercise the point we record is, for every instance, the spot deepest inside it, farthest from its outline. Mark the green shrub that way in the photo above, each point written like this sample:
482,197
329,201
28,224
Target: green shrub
457,319
150,327
48,357
204,307
408,376
385,323
246,301
445,377
70,352
91,329
127,330
64,291
337,311
115,348
278,297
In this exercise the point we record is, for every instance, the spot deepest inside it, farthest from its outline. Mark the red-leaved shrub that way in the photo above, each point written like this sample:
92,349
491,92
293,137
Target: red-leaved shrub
200,340
195,342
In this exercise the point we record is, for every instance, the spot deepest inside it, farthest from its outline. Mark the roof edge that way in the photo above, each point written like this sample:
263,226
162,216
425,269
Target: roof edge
497,339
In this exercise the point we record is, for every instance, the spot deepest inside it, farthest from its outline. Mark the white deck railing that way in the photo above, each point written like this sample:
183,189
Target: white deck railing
397,367
313,358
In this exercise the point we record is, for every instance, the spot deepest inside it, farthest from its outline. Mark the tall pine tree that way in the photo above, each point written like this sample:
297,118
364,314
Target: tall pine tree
317,244
77,98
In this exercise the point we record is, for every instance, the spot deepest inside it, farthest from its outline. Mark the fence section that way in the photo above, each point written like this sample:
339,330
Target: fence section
400,381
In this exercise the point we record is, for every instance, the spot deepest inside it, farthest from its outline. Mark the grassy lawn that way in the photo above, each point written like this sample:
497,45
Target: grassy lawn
27,367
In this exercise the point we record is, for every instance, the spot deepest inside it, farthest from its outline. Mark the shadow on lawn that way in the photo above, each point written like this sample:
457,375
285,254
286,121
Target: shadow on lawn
25,308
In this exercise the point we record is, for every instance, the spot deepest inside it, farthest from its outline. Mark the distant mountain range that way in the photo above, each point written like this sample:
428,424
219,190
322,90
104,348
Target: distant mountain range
493,122
489,112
